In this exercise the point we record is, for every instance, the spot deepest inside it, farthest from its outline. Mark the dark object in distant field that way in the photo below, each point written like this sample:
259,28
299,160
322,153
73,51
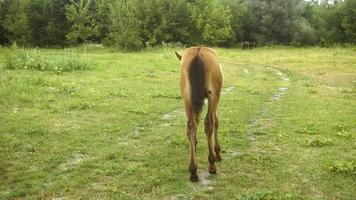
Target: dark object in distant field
248,45
201,77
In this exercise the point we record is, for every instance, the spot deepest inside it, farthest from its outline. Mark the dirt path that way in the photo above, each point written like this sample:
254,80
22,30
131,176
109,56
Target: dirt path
261,122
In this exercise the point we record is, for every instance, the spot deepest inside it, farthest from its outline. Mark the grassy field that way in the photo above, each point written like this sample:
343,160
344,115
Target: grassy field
114,127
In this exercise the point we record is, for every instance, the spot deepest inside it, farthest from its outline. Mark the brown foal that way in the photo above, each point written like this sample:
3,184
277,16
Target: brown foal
201,77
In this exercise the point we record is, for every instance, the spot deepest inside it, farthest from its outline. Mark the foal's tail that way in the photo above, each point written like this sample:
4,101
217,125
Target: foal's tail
197,83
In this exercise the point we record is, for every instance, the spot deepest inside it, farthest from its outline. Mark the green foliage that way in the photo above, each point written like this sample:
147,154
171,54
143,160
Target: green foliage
81,18
133,24
275,20
28,22
164,21
304,34
16,23
102,20
242,20
124,27
4,9
348,10
213,21
57,27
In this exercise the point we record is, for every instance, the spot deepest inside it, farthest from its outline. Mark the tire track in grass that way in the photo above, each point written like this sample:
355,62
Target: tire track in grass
263,120
280,92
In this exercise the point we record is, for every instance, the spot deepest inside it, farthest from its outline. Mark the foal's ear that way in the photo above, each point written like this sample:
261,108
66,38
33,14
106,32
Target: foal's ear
178,56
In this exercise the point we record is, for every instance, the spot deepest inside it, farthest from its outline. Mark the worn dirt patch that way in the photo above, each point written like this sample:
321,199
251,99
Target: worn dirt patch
76,159
246,71
205,182
228,90
279,73
173,114
281,91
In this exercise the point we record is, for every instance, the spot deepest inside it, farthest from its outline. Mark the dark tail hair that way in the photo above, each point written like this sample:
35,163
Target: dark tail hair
197,83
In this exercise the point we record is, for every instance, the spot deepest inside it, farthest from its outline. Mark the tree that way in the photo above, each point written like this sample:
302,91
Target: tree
4,33
304,34
15,23
130,23
213,20
102,20
348,10
37,15
275,19
124,27
58,25
81,18
239,13
154,25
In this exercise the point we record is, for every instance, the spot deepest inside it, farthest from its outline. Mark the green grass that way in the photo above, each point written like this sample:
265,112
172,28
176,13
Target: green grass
117,130
32,59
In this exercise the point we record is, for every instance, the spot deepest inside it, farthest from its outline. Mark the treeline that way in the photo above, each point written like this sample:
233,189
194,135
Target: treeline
134,24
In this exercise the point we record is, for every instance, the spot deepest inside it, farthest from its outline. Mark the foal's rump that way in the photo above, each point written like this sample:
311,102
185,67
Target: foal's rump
201,76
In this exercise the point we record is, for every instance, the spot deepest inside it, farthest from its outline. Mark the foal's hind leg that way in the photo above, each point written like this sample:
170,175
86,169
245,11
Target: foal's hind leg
216,141
192,126
209,128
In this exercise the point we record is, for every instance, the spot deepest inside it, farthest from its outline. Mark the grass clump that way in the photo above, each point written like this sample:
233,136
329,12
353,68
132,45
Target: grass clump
21,59
83,106
319,143
69,65
310,129
344,168
32,59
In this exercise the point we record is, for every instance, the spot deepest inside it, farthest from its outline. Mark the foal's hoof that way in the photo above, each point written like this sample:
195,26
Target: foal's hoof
218,158
194,178
212,169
